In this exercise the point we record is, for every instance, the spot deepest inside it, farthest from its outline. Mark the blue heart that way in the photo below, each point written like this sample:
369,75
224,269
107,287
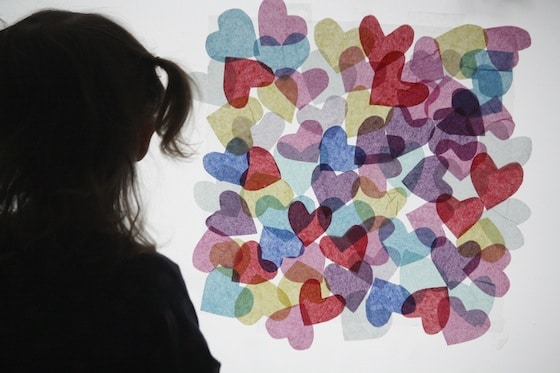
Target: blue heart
384,299
277,244
337,154
226,166
235,36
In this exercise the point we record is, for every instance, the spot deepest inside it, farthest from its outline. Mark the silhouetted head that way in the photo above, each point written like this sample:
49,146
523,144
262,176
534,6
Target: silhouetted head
79,100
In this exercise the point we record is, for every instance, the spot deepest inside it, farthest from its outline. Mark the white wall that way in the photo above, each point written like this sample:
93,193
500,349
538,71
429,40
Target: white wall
525,323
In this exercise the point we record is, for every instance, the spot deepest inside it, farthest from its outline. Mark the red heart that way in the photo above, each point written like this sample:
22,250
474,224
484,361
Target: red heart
348,249
389,90
459,216
249,267
263,170
495,185
240,75
308,226
377,45
432,305
316,309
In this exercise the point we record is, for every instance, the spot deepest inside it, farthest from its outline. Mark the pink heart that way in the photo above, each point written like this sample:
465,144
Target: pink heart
356,72
302,88
426,216
202,255
464,325
288,323
489,275
304,144
332,113
307,266
275,22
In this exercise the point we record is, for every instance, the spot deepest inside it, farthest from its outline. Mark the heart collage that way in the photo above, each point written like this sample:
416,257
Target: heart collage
370,178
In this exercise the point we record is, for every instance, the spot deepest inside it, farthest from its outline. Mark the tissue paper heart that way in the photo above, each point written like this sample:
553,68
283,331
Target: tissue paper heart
309,226
233,218
431,305
240,75
314,307
459,216
352,284
262,170
495,185
348,249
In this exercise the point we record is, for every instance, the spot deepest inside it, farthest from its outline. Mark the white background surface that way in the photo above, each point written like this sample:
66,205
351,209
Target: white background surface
525,323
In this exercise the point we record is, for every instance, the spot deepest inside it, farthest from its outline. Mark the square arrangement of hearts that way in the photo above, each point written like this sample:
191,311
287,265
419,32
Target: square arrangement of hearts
364,175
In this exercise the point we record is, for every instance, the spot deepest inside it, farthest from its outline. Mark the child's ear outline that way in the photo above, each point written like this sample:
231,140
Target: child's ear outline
145,134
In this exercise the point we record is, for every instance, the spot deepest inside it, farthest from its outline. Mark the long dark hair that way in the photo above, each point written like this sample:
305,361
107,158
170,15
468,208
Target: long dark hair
76,91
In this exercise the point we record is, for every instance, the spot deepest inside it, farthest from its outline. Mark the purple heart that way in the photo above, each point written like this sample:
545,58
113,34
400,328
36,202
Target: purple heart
451,264
233,218
465,116
333,190
425,64
426,179
352,284
412,134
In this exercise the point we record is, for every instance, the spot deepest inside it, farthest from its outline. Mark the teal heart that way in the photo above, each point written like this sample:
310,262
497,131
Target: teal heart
235,36
355,213
405,247
272,213
297,174
225,297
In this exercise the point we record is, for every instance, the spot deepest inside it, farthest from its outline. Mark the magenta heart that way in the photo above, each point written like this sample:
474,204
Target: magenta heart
464,325
304,144
275,22
333,190
352,284
233,218
288,323
425,64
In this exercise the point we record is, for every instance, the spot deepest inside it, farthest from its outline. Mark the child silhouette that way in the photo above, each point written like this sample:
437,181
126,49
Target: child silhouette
81,287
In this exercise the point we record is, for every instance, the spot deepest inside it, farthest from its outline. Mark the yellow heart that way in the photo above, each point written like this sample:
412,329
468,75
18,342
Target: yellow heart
454,44
484,232
229,122
332,41
268,299
272,98
280,189
358,110
388,205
